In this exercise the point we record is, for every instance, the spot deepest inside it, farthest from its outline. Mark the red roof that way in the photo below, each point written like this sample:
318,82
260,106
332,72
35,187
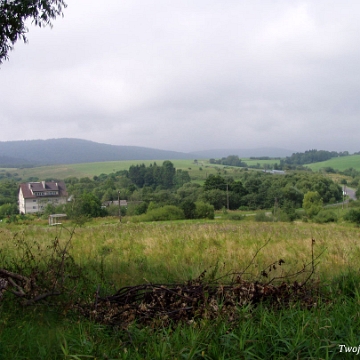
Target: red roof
28,189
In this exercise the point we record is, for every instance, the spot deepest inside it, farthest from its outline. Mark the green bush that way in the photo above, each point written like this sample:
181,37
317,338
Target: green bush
204,211
8,209
263,217
113,210
244,208
189,209
354,203
353,216
137,209
234,216
167,212
312,203
325,216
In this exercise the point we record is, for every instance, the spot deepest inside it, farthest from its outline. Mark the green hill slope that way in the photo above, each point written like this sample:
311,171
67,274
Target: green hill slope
338,163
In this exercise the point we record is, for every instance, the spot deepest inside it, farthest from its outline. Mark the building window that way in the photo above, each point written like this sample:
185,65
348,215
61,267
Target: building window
34,200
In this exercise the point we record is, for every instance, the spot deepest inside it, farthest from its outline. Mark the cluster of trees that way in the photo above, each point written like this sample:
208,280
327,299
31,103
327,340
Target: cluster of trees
311,156
231,160
293,162
255,190
165,176
263,158
258,190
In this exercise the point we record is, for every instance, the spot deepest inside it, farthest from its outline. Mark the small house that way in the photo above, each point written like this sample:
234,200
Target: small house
34,196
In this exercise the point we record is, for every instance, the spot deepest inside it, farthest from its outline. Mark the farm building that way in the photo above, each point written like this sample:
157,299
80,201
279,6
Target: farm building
34,196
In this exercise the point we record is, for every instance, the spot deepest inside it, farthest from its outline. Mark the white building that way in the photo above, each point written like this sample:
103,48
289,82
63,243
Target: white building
34,196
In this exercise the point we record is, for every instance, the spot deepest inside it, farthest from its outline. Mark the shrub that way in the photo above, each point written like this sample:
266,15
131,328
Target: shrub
167,212
263,217
8,209
354,203
234,216
244,208
113,210
204,211
189,209
288,212
325,217
353,216
312,203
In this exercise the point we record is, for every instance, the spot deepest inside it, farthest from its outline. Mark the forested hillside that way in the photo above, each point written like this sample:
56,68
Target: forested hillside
73,151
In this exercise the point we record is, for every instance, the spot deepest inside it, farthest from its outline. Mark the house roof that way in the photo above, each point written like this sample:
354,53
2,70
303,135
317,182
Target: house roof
115,202
29,188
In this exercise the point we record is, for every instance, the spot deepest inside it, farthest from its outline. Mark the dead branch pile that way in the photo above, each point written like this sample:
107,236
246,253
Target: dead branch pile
167,304
24,287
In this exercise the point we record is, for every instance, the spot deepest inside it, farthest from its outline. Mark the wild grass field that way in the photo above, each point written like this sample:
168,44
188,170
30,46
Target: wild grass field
114,255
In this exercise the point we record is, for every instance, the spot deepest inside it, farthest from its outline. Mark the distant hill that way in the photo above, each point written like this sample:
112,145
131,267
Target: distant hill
73,151
242,153
29,153
9,162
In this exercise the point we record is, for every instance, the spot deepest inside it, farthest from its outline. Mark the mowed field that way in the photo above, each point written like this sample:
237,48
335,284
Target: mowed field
92,169
339,163
197,171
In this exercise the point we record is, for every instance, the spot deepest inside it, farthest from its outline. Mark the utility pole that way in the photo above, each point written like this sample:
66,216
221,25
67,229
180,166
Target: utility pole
119,206
275,208
227,196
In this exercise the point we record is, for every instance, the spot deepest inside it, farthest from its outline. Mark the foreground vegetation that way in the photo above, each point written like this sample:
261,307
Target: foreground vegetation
113,255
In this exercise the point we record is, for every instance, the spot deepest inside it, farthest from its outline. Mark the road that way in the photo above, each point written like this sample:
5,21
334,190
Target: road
351,193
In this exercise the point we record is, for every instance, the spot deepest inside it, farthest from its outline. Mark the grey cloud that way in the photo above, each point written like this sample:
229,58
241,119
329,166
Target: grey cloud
185,75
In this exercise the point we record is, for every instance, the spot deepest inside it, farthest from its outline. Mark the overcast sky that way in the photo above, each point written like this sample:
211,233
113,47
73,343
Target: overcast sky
190,75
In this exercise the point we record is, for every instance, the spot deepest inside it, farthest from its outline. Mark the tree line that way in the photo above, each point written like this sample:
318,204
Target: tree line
294,162
311,156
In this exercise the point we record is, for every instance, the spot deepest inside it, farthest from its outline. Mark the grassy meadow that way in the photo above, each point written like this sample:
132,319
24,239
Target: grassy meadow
197,171
96,168
131,253
114,255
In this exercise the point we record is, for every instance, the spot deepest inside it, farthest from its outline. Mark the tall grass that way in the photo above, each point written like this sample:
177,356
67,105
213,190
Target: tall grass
123,254
176,251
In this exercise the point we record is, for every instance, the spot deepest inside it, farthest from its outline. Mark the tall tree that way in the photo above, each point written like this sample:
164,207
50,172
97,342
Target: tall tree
14,13
167,174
